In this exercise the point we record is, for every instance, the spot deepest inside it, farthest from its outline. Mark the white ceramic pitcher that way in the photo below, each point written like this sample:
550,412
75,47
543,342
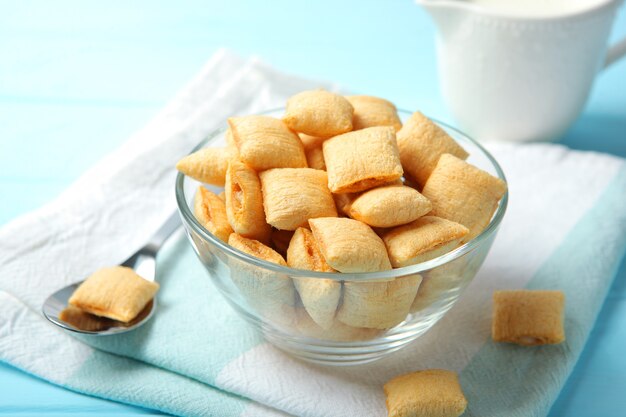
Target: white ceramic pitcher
506,76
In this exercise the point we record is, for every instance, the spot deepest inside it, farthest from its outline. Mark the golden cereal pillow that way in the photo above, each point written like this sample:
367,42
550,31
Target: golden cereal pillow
292,196
426,238
304,252
360,160
311,142
378,305
421,143
269,293
343,201
463,193
319,296
210,211
264,142
319,113
389,206
255,248
528,317
373,111
313,151
207,165
244,202
349,245
315,158
428,393
117,293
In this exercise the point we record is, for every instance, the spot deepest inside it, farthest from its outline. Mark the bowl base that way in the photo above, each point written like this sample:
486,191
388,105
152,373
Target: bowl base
337,356
331,353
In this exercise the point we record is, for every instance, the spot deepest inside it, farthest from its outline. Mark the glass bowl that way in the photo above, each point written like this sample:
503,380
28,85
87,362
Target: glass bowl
263,293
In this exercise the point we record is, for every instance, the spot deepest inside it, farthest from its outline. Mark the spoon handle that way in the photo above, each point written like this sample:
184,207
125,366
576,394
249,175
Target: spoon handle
160,236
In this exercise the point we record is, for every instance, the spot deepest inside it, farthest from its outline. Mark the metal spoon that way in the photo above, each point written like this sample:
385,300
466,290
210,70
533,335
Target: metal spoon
143,262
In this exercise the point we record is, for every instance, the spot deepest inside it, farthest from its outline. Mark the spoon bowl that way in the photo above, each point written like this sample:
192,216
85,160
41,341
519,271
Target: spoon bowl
143,262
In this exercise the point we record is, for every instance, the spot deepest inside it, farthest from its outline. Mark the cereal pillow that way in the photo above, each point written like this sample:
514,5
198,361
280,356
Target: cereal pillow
463,193
319,113
363,159
292,196
319,296
117,293
265,142
421,143
373,111
428,393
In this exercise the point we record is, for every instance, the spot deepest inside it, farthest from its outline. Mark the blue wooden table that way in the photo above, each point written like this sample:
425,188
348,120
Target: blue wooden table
78,77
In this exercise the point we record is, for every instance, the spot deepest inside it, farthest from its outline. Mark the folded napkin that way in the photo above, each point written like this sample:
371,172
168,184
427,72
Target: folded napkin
565,229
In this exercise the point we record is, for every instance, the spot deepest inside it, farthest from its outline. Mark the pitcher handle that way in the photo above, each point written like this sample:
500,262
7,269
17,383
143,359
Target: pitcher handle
615,52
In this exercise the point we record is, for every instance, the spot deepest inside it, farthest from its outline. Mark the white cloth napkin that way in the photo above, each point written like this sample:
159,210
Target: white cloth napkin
565,228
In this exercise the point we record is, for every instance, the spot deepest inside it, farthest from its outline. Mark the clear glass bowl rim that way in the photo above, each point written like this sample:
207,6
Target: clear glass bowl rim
496,219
